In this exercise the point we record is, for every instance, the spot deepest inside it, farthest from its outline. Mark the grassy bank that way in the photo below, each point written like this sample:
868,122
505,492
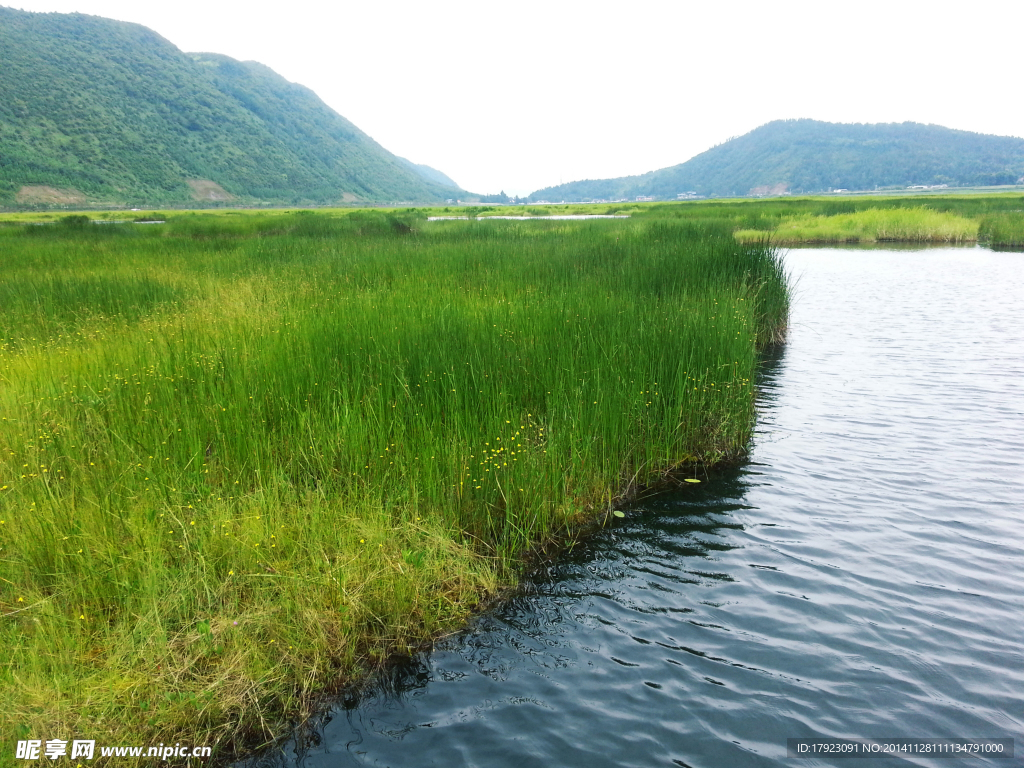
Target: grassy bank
996,219
918,225
1003,230
246,458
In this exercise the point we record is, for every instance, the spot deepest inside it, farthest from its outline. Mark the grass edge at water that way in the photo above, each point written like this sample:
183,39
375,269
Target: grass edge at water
251,303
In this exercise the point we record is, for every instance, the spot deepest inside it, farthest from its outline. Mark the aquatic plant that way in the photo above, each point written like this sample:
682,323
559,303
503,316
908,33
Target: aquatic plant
244,458
870,226
1003,230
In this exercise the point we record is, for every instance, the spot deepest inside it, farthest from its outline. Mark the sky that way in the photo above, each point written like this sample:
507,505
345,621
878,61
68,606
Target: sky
518,96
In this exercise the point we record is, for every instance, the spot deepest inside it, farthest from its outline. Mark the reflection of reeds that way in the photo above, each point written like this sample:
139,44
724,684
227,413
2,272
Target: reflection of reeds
870,226
242,456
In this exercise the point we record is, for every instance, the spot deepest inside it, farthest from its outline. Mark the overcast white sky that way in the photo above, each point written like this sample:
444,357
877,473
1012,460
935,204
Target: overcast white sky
522,95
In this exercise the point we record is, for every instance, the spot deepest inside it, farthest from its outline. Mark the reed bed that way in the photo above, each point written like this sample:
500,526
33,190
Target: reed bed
246,460
1003,230
870,226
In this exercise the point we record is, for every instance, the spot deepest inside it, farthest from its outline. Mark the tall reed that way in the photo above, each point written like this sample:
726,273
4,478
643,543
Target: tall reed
245,458
1003,230
869,226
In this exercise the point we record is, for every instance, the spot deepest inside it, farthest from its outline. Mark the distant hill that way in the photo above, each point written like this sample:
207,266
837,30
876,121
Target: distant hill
432,174
806,156
100,111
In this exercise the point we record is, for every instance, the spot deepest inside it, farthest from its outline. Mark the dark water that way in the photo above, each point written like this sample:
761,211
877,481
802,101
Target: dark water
861,576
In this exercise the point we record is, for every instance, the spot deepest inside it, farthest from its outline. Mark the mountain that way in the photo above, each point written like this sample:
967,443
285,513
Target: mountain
806,156
432,174
100,111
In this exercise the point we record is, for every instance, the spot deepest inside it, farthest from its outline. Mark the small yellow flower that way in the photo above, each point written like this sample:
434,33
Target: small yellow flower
231,573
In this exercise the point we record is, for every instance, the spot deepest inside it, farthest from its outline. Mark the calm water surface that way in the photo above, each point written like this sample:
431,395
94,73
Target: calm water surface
861,576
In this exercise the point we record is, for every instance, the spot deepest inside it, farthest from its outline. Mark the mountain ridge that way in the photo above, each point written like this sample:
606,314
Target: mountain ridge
110,112
805,156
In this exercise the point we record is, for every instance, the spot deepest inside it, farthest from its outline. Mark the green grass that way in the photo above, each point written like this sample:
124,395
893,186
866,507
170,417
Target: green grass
994,218
1003,230
870,226
246,458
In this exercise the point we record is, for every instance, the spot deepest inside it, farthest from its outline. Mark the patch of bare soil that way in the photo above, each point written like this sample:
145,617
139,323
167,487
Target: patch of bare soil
39,193
204,189
775,189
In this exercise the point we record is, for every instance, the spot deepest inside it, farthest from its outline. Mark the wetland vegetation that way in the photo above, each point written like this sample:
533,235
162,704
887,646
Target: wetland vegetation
996,219
993,218
871,226
246,458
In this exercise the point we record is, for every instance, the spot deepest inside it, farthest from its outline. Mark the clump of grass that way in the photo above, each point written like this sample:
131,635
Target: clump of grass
244,459
1003,230
870,226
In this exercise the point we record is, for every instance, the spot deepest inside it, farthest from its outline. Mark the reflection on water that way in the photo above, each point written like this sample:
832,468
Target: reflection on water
860,576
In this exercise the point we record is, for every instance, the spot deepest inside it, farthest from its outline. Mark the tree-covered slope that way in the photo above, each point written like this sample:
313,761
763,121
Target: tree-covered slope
804,156
115,112
432,174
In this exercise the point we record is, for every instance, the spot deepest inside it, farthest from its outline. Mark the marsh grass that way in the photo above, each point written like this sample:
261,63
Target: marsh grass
963,217
870,226
1003,230
246,459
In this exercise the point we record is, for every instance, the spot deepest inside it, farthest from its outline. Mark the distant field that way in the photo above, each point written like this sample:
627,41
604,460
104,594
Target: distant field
996,219
996,212
245,456
909,225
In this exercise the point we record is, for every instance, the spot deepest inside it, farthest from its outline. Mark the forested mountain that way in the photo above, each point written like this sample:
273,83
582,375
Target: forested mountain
102,111
805,156
432,174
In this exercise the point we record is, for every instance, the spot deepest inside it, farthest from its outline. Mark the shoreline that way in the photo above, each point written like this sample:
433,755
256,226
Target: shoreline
273,453
543,554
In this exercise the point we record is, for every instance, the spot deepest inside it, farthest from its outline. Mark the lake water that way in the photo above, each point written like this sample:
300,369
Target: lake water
861,576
